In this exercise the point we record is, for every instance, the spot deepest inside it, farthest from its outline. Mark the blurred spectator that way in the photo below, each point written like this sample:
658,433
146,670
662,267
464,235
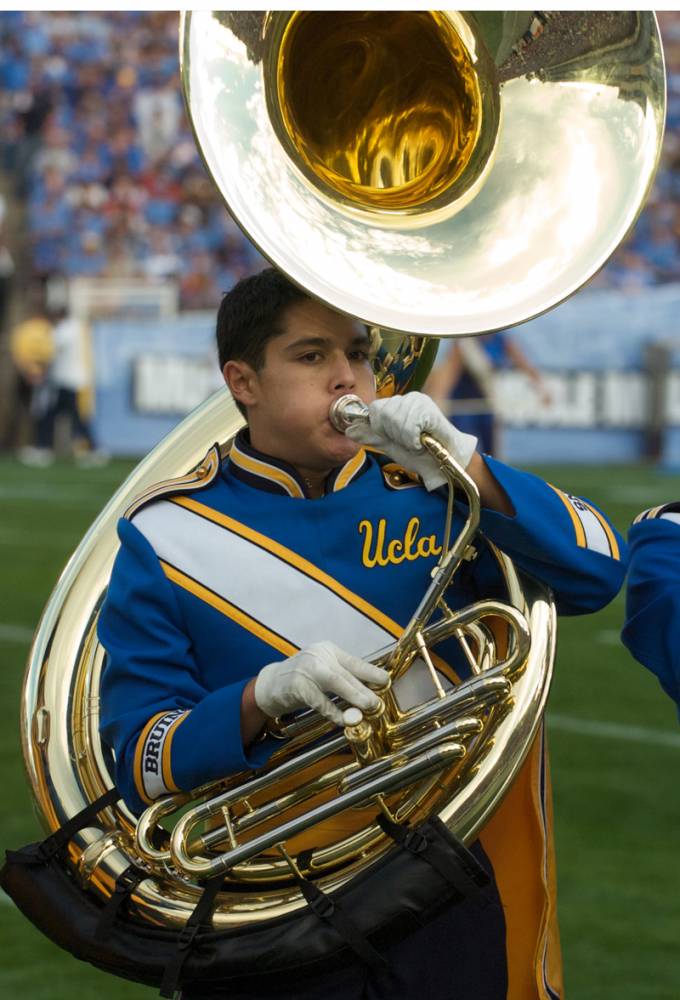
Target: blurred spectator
462,383
158,113
64,397
31,349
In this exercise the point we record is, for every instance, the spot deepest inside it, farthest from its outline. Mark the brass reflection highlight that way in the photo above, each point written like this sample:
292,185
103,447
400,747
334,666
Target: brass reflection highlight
383,109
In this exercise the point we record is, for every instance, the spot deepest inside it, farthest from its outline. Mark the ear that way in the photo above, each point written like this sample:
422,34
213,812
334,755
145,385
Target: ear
240,378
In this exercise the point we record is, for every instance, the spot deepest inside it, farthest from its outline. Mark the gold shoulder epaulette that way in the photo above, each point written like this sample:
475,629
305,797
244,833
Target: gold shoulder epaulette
398,478
196,479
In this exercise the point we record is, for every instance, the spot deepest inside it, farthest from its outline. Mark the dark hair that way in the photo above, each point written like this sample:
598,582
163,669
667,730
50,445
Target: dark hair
252,313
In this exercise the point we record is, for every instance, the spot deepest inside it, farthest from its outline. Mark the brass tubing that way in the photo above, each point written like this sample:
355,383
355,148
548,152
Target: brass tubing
276,806
432,760
459,729
449,564
214,806
149,821
478,693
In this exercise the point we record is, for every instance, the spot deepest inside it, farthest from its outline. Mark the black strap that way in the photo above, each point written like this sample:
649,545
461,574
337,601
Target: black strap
127,881
186,939
42,853
326,909
456,864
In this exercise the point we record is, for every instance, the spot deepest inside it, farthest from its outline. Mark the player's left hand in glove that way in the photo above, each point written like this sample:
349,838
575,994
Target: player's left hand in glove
304,680
395,425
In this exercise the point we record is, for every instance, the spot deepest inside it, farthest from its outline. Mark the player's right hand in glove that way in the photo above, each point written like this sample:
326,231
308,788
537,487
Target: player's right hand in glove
395,425
303,680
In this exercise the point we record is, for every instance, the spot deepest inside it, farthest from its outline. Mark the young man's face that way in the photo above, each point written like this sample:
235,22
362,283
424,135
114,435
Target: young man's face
320,356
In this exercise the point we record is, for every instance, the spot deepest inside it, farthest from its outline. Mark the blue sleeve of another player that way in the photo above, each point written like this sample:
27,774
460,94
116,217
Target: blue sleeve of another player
653,600
562,540
167,730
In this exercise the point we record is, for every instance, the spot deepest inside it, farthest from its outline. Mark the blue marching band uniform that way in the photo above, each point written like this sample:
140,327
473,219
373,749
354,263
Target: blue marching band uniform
653,594
233,567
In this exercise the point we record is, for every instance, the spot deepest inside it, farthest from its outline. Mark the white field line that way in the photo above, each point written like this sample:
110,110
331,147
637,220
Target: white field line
61,496
638,493
20,634
91,506
34,540
609,637
36,493
613,731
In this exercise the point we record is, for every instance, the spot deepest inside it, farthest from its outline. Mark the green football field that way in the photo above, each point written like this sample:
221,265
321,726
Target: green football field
614,740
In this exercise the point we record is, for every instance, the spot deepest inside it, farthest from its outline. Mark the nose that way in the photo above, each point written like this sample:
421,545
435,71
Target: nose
343,378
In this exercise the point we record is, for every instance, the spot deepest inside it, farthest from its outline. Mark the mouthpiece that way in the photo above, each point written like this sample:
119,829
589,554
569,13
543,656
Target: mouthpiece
346,410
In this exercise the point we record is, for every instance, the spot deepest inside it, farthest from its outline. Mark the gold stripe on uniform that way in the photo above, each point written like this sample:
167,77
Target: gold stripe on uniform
266,471
578,527
648,515
137,768
516,849
552,949
251,625
350,469
293,559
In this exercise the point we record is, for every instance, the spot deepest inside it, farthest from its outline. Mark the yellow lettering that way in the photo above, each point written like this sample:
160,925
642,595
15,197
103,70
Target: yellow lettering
410,548
412,529
367,559
380,544
376,558
427,546
394,550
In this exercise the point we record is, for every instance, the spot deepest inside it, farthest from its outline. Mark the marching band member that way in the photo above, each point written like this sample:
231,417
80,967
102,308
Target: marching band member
259,585
653,594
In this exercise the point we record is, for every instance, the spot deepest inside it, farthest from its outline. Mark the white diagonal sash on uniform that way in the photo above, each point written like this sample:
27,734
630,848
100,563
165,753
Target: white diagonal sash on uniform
267,588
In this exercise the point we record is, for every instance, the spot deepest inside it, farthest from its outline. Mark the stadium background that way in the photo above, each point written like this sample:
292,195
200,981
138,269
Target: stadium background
106,204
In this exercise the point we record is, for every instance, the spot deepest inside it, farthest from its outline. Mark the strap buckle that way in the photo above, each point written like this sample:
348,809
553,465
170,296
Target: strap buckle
414,841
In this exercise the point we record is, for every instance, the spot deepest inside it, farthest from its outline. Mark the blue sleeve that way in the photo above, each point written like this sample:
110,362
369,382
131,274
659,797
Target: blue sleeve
562,540
152,690
653,600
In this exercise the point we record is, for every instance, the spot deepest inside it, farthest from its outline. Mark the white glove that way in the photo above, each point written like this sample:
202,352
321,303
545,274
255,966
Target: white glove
301,680
395,426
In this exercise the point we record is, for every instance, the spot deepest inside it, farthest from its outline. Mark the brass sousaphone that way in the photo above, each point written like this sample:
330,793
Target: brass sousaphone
434,174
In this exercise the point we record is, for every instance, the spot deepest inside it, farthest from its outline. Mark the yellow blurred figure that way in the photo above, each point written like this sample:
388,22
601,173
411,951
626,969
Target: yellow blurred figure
32,348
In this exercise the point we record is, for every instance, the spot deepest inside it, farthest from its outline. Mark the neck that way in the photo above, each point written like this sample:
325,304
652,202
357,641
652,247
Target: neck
313,480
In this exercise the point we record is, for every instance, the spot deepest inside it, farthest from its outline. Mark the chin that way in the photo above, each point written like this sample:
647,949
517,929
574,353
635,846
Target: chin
346,449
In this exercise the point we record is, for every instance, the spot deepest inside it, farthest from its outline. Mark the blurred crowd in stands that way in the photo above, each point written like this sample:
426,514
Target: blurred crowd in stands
94,133
100,177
